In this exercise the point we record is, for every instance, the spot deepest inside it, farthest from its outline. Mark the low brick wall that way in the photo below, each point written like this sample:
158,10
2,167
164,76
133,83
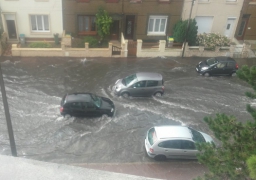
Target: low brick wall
63,51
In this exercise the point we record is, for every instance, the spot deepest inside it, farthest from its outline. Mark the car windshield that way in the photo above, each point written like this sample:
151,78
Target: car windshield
211,61
126,81
96,100
197,136
152,136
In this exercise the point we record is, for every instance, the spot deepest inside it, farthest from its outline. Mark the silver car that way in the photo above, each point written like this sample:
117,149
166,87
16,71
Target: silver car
177,142
140,84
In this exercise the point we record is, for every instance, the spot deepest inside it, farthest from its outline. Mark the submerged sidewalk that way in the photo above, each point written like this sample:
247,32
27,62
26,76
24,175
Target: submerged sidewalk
170,170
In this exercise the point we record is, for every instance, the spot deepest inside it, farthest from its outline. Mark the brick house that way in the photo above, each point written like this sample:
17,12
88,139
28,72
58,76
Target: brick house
137,19
246,29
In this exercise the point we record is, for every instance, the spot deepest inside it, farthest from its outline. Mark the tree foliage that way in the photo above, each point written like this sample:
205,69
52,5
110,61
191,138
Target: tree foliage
179,31
103,22
237,140
251,163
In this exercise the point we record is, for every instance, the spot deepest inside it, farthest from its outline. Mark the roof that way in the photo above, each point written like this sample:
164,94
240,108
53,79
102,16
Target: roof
149,76
164,132
78,97
224,58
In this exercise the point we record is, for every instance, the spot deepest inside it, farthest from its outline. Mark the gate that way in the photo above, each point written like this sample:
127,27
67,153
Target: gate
132,48
116,50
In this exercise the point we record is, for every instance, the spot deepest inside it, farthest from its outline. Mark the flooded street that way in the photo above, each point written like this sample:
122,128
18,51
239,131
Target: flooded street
35,87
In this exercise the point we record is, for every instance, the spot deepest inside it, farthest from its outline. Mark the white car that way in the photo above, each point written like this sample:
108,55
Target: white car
178,142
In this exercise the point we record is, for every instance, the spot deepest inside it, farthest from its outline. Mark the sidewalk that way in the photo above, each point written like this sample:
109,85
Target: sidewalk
178,170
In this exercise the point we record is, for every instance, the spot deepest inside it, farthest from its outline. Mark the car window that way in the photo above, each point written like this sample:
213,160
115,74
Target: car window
76,105
96,100
188,144
152,83
230,64
90,105
197,136
174,144
221,65
139,84
211,61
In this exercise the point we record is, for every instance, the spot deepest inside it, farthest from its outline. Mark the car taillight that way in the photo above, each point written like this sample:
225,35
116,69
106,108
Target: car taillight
236,66
61,109
151,150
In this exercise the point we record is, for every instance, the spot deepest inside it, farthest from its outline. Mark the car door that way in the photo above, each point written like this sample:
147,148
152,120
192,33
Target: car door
218,69
171,148
76,109
230,68
189,150
138,89
90,109
151,87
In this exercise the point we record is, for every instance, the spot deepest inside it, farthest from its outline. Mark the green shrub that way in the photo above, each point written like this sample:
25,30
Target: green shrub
40,45
93,42
251,164
211,40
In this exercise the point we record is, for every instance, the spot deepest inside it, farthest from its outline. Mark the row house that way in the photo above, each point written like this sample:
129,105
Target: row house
246,29
136,19
214,16
36,19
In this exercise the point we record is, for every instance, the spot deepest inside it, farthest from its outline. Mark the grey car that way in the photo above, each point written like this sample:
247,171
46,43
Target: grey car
140,84
177,142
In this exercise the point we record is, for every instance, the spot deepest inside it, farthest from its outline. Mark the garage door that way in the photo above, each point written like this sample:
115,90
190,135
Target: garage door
204,24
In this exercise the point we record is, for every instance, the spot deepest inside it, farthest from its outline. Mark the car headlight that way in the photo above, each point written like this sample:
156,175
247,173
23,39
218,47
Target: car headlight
112,109
204,68
118,88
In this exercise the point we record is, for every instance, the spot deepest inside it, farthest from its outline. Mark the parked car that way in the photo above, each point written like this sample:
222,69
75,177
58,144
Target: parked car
178,142
140,84
86,104
217,66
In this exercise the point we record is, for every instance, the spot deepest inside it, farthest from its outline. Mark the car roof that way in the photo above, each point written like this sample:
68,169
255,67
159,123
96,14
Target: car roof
149,76
224,58
169,132
78,97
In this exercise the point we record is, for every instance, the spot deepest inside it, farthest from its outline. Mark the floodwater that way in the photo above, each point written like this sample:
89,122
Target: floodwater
35,87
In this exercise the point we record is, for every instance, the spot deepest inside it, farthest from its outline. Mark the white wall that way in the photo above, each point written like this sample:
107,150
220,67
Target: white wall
221,10
21,9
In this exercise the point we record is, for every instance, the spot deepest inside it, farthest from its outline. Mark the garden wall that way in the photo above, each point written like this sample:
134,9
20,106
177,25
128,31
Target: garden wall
63,51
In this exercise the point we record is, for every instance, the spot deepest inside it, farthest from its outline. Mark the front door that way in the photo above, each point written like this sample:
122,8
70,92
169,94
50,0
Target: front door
230,27
114,32
129,27
11,29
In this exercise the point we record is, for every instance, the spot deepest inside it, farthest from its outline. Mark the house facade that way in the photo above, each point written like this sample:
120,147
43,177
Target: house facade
246,29
214,16
36,19
136,19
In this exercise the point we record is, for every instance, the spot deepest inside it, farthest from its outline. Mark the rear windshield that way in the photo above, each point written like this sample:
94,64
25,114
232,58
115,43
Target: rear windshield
63,100
126,81
152,136
211,61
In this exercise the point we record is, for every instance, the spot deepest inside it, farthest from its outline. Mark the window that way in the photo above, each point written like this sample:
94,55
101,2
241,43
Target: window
39,23
87,25
221,65
204,24
139,84
157,25
230,64
188,145
174,144
152,83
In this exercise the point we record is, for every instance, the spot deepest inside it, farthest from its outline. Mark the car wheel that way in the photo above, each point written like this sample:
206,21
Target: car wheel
104,116
125,95
233,74
206,74
160,158
158,94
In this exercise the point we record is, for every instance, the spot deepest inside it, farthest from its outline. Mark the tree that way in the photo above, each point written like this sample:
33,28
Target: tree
103,22
179,31
237,140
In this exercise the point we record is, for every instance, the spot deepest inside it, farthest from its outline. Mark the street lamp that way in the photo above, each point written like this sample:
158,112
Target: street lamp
7,115
184,43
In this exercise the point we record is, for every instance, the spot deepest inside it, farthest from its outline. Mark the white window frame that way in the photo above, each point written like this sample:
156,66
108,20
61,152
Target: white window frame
42,20
234,1
157,32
